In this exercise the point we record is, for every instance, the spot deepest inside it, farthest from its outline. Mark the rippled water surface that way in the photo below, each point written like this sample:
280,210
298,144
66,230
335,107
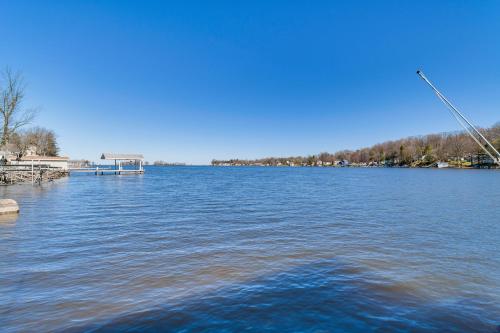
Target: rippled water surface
255,249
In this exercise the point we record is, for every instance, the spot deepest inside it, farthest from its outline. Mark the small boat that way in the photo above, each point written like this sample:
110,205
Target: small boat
442,165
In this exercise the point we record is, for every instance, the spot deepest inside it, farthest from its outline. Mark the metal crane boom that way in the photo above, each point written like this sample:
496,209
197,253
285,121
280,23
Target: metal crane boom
465,123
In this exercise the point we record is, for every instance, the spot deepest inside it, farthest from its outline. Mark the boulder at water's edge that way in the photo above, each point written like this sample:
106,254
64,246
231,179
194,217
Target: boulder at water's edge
8,206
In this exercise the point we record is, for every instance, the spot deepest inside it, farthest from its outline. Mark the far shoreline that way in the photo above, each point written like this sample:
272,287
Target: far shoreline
355,167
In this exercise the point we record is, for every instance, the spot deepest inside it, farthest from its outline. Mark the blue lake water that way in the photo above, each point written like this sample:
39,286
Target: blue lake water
254,249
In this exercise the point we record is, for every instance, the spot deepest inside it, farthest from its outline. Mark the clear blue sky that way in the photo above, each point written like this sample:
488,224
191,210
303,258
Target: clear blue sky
191,81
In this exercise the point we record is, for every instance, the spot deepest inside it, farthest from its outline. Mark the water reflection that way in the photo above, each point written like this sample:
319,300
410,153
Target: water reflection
323,296
191,247
8,220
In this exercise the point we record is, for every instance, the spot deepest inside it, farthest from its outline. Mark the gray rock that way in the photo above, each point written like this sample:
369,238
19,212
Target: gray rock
8,206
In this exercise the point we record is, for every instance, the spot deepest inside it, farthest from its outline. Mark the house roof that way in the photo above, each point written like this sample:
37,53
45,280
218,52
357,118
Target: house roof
123,157
44,158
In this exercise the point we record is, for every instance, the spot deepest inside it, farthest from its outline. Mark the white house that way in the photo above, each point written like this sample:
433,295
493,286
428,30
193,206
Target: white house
52,161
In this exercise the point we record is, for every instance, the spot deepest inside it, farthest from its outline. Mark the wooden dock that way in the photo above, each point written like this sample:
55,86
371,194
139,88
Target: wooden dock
106,171
16,174
38,172
117,169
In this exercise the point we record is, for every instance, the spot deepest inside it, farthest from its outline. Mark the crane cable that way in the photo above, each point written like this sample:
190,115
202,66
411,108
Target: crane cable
461,119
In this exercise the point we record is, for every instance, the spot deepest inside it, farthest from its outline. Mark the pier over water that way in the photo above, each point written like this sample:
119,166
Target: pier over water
118,169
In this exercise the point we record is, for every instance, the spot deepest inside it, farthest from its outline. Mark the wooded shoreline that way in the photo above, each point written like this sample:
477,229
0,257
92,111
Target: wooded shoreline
455,149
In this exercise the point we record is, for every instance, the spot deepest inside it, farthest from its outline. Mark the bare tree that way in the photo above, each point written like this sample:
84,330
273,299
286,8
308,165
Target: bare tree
12,115
42,140
412,151
496,143
20,142
456,145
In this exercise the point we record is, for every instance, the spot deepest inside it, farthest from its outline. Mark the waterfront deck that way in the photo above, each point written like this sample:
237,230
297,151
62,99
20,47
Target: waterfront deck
38,171
117,169
16,174
106,171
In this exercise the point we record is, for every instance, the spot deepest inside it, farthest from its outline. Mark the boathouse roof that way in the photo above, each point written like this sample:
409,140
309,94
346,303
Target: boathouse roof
122,157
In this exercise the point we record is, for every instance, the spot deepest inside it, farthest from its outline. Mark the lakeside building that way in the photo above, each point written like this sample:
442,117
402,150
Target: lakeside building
343,163
51,161
9,155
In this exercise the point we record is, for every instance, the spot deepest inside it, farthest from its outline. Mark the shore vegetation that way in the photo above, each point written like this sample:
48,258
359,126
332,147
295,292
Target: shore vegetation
16,138
455,149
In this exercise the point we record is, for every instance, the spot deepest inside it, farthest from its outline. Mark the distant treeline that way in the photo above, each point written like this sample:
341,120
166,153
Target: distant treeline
163,163
456,148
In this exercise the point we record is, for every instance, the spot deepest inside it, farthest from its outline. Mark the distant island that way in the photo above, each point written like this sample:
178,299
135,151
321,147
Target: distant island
164,163
455,149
